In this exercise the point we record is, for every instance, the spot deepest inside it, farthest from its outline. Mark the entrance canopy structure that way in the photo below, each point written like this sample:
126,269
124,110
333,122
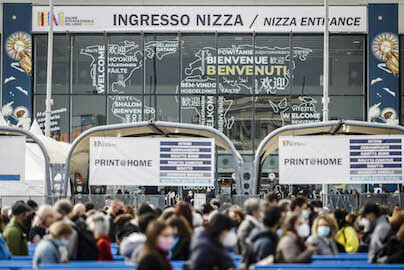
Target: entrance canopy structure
78,158
37,180
341,127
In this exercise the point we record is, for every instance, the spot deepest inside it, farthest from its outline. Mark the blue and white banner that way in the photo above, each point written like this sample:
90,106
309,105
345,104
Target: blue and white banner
17,64
12,163
341,159
383,79
152,161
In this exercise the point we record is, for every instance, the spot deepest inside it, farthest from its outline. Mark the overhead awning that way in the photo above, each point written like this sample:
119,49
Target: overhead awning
78,157
341,127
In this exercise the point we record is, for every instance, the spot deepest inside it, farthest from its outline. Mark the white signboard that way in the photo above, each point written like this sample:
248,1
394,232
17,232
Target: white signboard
200,19
12,154
152,161
199,200
341,159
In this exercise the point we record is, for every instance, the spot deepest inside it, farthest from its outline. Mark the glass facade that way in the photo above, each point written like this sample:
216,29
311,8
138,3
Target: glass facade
245,85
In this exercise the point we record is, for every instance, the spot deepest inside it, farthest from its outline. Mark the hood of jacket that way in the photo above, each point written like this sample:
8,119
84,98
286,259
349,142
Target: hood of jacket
258,233
131,243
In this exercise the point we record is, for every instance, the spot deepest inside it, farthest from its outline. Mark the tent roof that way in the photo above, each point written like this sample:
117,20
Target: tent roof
341,127
57,150
78,157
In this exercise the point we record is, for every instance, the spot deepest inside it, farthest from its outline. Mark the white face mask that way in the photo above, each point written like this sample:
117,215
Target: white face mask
303,230
305,214
230,239
365,223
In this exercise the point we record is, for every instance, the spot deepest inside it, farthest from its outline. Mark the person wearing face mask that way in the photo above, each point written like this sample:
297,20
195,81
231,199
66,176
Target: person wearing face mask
15,233
291,246
263,240
180,251
252,207
115,210
323,233
298,206
45,216
47,251
190,197
208,250
381,230
159,240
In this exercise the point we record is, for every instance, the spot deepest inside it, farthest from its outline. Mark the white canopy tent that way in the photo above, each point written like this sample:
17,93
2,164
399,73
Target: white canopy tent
36,183
40,151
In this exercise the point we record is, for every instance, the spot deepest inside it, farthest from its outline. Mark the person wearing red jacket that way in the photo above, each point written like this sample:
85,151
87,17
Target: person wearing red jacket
99,226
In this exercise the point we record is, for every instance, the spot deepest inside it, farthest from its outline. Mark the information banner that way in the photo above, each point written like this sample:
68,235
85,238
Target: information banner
341,159
200,19
152,161
12,164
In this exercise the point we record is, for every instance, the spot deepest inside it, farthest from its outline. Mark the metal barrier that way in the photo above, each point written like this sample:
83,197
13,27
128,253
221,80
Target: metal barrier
349,202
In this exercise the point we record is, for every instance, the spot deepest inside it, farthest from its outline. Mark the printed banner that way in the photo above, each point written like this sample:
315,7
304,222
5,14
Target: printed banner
12,164
152,161
340,159
17,64
200,19
383,80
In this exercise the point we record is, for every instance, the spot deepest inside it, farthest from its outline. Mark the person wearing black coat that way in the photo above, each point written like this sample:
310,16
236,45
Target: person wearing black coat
154,255
208,248
262,241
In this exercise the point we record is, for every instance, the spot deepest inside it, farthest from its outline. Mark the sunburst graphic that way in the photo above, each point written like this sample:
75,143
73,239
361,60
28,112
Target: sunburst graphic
385,47
18,47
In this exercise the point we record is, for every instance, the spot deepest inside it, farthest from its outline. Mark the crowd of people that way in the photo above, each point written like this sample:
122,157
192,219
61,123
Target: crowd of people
262,232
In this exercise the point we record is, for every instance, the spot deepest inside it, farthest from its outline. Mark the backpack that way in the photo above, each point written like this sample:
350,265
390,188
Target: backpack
87,246
4,251
386,248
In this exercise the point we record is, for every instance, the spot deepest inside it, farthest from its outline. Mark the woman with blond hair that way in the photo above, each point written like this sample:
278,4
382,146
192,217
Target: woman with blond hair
323,234
45,216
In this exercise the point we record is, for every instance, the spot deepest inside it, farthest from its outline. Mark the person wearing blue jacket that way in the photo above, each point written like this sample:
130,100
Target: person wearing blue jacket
5,253
47,251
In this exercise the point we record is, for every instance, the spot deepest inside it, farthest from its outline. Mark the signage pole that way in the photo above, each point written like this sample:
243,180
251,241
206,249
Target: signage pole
48,102
326,99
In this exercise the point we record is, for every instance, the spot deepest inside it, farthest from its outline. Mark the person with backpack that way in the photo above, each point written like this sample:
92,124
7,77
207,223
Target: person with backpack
372,213
347,239
82,245
15,233
47,251
393,247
